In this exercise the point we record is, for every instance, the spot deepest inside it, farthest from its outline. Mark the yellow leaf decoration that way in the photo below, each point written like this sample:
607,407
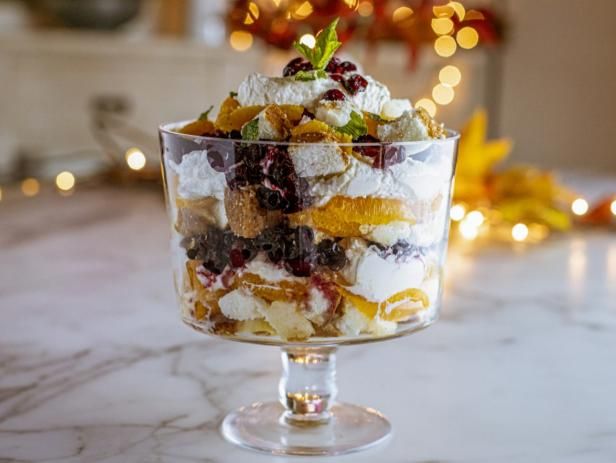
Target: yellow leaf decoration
477,158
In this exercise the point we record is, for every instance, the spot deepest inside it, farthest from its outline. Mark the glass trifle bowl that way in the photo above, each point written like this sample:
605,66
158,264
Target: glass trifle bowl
304,219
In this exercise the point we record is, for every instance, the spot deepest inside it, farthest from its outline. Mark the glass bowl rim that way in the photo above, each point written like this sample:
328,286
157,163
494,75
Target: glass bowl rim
166,128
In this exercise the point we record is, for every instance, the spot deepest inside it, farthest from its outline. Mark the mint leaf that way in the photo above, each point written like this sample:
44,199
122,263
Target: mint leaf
203,116
355,127
232,94
324,48
311,75
250,130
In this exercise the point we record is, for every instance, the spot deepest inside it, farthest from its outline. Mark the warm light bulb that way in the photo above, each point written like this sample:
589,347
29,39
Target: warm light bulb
65,181
450,75
365,8
468,230
475,218
428,105
457,212
442,26
30,187
443,94
401,13
135,158
240,40
467,37
579,206
519,232
445,46
308,40
613,207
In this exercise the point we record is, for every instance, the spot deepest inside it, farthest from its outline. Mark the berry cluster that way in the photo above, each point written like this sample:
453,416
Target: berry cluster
382,156
294,248
265,165
336,69
402,250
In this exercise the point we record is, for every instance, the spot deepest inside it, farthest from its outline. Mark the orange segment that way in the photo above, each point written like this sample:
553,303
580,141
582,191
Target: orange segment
372,125
199,127
223,120
279,291
242,115
293,112
370,309
343,216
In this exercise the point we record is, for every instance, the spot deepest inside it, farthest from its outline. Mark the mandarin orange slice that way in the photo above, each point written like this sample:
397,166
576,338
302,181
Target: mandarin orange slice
370,309
343,216
199,127
279,291
243,114
223,120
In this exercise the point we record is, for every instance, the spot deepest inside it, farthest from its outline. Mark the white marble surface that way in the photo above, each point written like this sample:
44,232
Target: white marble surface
95,365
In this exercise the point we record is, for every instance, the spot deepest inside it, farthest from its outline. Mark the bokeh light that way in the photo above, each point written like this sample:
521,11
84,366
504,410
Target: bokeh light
240,40
445,46
65,181
365,9
135,158
428,105
468,230
519,232
308,40
450,75
613,207
443,11
457,212
401,13
443,94
467,38
442,26
475,218
303,11
459,9
30,187
579,206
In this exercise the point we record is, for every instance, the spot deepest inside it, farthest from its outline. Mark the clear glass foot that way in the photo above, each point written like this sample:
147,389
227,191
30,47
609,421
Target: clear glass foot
306,421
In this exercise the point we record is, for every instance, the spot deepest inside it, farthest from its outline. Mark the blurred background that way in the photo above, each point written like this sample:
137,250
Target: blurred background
85,83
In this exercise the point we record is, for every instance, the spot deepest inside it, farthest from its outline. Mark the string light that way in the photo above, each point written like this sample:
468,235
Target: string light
443,94
467,38
457,212
458,8
445,46
30,187
135,158
65,181
450,75
303,11
468,230
613,207
240,40
442,26
365,9
519,232
475,218
309,40
401,13
428,105
579,206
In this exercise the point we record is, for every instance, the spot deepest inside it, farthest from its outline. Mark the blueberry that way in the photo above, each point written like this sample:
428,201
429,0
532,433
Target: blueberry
331,254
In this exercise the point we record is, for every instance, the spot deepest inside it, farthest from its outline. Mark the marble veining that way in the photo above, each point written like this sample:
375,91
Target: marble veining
95,365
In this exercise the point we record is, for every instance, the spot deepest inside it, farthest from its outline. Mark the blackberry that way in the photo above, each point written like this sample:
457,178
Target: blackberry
392,155
271,200
331,254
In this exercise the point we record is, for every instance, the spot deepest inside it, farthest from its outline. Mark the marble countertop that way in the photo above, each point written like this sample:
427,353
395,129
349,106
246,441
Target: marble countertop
95,365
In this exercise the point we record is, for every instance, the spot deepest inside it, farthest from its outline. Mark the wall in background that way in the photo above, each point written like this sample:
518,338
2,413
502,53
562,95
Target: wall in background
559,93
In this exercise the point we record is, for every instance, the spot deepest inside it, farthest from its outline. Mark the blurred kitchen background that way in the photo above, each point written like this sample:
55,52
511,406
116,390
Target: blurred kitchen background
85,83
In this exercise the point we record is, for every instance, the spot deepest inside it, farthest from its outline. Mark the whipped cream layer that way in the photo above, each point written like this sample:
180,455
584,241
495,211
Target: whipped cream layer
409,180
196,178
258,89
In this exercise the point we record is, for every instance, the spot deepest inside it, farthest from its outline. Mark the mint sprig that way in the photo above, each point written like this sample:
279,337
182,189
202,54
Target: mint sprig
356,126
250,130
311,75
324,48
